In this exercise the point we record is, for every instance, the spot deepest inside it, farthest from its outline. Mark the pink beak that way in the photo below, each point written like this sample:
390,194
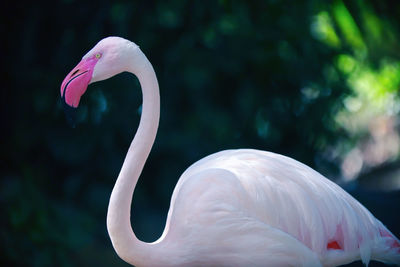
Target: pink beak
75,85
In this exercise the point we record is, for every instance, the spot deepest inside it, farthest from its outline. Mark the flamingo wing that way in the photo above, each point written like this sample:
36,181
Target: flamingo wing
260,201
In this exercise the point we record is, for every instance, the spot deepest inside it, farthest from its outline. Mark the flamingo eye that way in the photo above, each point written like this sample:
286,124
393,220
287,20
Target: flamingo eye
98,55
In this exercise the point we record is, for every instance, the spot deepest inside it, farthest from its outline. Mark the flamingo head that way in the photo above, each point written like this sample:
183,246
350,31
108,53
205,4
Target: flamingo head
107,58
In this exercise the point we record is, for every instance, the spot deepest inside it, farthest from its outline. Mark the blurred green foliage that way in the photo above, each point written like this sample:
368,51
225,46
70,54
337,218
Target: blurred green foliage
295,77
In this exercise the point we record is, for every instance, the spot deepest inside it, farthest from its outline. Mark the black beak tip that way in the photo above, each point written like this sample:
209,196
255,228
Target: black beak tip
70,113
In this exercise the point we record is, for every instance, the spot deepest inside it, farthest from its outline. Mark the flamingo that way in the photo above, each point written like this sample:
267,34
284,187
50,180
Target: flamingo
241,207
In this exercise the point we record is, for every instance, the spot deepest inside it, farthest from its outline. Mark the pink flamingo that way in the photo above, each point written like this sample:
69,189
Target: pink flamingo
240,207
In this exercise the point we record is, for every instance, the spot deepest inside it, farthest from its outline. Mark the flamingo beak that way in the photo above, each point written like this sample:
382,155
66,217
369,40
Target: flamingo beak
75,85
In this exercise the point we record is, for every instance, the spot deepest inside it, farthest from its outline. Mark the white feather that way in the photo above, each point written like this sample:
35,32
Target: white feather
270,205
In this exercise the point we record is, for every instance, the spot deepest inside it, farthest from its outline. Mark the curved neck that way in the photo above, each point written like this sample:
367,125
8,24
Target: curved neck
125,243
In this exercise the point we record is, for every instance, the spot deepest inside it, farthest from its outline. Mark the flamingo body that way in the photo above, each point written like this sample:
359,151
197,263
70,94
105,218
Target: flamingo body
258,204
233,208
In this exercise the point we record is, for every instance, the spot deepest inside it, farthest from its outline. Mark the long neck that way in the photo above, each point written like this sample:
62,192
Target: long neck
125,243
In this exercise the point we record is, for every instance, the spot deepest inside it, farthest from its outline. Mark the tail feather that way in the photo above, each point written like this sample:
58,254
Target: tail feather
386,248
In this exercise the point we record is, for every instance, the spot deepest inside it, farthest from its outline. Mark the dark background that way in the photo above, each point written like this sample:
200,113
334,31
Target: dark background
282,76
